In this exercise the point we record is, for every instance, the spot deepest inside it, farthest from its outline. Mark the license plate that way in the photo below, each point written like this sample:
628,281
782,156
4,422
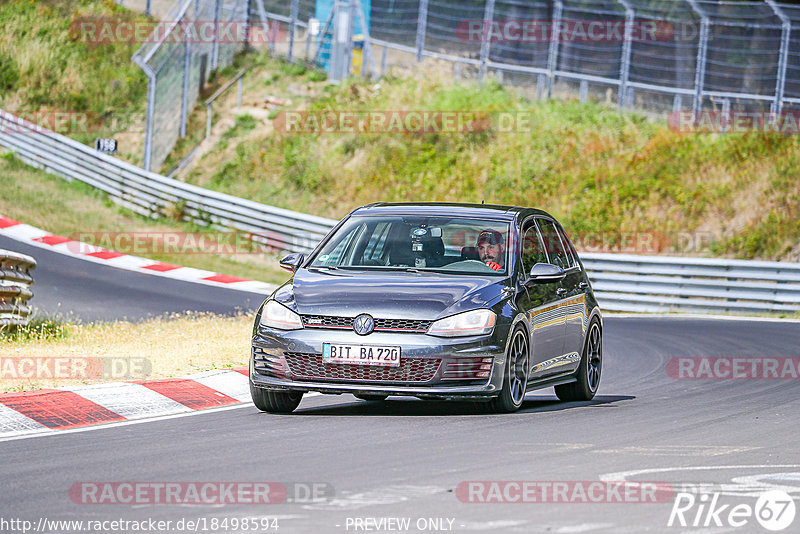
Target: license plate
361,354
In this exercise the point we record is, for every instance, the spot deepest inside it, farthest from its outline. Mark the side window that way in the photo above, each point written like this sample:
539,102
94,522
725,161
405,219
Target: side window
377,240
573,256
532,248
553,245
337,255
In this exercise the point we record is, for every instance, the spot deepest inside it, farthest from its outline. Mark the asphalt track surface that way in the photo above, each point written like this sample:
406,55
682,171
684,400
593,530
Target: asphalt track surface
83,290
406,458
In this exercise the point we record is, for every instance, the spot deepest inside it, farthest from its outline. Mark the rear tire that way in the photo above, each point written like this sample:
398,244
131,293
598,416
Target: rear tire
589,370
515,377
372,398
275,401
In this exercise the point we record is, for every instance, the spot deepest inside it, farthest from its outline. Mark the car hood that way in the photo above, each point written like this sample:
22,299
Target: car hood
388,295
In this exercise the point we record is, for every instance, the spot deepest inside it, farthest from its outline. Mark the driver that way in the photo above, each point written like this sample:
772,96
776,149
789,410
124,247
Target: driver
491,249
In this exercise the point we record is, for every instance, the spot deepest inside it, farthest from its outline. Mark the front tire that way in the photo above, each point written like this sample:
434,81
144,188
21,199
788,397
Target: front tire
275,401
589,370
515,379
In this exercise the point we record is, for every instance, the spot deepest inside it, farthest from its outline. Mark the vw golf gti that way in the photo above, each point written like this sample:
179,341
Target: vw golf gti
436,301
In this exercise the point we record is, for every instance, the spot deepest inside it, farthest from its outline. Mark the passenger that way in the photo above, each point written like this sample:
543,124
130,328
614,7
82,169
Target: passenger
491,249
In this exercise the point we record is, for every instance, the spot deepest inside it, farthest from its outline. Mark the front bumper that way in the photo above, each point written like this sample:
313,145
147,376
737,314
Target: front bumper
431,367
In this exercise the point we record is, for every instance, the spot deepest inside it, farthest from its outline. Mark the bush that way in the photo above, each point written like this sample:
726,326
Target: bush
9,72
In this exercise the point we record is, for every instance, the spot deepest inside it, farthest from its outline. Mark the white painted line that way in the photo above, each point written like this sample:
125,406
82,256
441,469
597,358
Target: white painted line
129,262
738,487
104,426
76,249
24,232
48,432
131,401
231,383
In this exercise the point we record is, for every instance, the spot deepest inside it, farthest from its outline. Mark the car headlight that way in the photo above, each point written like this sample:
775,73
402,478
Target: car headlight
278,316
471,323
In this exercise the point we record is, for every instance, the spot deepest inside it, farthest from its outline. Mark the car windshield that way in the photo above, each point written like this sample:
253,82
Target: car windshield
443,244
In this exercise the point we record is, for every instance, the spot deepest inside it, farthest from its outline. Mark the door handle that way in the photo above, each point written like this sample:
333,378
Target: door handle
561,291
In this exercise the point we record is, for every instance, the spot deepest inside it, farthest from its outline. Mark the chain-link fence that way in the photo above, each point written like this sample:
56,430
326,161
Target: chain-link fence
660,55
178,58
657,55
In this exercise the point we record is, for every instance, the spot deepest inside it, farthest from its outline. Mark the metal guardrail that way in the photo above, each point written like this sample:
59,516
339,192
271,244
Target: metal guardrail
153,195
15,287
622,282
662,284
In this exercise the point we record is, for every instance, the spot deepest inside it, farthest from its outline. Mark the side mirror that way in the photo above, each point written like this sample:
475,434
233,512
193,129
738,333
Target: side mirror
545,273
292,262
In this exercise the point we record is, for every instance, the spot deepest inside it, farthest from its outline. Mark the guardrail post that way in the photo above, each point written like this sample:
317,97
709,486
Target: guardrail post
625,60
293,14
422,27
783,59
702,53
555,36
488,17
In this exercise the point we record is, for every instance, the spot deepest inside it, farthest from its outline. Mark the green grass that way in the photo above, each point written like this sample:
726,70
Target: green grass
28,196
38,329
45,66
599,171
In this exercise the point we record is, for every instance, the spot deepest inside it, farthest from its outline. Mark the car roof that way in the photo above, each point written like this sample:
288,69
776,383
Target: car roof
448,209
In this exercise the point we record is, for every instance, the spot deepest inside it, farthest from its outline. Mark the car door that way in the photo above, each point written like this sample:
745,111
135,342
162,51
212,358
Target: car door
566,300
576,314
547,327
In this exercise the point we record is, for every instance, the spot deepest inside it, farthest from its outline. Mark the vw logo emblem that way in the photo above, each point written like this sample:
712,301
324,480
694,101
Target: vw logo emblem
363,324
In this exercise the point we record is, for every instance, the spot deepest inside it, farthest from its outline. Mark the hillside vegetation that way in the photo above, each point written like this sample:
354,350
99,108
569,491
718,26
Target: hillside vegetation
603,173
46,67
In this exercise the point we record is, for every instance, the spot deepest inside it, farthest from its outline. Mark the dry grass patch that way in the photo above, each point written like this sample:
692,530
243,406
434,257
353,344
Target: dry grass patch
174,346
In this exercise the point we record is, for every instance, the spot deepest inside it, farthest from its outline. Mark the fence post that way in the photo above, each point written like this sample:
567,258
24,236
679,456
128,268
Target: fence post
783,59
555,36
625,60
215,44
488,17
146,8
187,65
151,108
294,10
702,53
422,26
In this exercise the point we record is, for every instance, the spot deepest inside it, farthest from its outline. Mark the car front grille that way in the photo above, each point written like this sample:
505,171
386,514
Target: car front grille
268,365
468,368
381,325
303,366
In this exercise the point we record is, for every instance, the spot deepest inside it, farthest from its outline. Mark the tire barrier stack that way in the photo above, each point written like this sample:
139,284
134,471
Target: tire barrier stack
15,287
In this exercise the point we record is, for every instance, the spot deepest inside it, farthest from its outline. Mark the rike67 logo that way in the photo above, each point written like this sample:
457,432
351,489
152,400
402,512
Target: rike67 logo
774,511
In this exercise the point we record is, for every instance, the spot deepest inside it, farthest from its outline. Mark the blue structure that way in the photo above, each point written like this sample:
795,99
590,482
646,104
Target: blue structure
322,11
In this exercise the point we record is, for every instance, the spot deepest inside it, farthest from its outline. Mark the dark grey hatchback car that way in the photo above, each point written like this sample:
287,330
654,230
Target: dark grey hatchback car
436,301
